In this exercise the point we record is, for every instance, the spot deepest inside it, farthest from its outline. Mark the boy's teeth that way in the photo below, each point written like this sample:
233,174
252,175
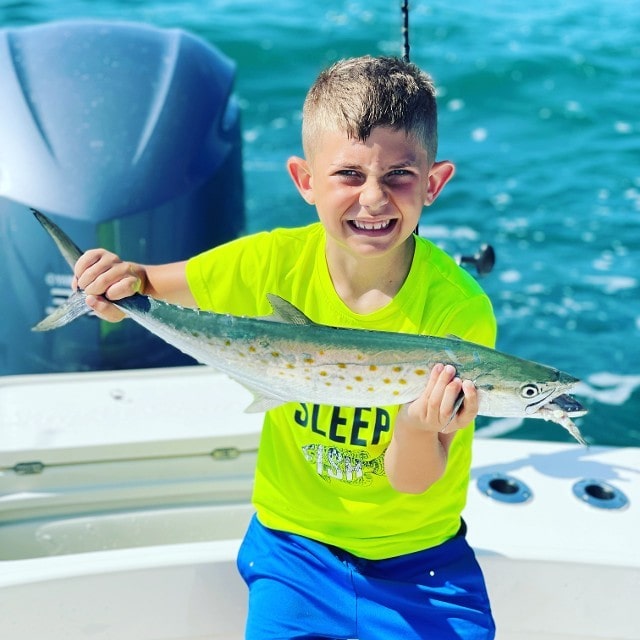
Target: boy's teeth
372,227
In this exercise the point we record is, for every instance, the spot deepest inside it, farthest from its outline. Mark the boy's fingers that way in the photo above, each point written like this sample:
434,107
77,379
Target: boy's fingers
451,397
434,374
442,375
439,405
122,288
466,411
470,406
98,278
101,273
85,262
104,309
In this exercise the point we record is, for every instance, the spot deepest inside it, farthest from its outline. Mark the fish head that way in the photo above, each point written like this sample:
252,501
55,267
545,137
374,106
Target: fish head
524,389
523,392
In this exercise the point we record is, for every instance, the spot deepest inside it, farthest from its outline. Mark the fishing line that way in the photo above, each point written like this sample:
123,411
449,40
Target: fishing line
405,30
405,54
484,260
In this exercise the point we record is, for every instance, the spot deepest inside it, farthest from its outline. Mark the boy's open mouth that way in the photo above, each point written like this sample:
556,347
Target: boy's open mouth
372,227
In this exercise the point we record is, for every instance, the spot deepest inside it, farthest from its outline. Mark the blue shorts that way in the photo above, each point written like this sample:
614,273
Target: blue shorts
299,588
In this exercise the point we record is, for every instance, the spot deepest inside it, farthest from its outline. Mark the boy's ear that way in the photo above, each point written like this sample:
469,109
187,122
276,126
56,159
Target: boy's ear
440,174
301,175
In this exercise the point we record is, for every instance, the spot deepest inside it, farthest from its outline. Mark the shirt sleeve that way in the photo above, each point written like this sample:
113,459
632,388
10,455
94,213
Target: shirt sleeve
229,278
473,320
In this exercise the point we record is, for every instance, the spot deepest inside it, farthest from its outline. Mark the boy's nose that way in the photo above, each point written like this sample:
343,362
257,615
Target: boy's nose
372,195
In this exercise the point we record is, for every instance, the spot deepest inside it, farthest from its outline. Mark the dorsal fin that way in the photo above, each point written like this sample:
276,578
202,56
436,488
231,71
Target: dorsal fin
284,311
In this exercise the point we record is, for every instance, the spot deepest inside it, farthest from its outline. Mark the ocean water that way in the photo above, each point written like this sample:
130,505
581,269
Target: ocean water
540,111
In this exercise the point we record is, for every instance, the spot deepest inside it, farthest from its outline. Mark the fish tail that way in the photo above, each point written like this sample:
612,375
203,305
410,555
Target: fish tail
68,248
73,308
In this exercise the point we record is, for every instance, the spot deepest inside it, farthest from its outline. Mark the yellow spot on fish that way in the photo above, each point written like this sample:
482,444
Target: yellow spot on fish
342,365
349,387
358,378
275,354
328,384
397,369
309,360
323,373
396,393
370,389
227,343
420,372
321,352
290,366
252,349
372,367
402,381
387,380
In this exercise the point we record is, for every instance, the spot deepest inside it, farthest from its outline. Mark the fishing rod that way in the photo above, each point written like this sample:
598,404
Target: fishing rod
485,258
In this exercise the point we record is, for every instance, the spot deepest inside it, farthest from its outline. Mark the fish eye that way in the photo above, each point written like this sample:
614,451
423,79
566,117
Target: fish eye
529,391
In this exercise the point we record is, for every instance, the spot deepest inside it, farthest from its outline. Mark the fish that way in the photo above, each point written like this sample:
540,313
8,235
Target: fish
286,357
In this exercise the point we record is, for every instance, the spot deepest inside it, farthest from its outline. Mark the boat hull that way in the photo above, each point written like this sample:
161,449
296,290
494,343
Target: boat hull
128,528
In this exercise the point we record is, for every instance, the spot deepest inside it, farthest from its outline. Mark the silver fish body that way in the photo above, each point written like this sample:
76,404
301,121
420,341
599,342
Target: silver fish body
287,357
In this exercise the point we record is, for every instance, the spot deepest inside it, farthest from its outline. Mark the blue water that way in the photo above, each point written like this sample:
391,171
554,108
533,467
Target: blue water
539,109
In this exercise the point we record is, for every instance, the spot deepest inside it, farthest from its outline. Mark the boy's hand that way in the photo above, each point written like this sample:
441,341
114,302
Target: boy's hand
425,428
435,409
103,276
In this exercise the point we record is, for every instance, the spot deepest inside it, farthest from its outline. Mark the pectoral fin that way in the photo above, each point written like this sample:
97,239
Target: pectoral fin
262,403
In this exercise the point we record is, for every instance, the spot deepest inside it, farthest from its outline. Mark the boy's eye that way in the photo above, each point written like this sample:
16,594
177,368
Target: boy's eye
395,177
349,176
399,176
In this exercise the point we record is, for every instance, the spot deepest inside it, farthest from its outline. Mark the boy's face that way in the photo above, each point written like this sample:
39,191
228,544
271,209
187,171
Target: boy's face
369,195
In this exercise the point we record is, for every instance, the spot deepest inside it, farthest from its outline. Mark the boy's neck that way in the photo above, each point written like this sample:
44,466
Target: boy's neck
368,284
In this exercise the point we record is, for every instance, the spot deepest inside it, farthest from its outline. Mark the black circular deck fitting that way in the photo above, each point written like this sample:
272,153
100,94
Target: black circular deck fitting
600,494
504,488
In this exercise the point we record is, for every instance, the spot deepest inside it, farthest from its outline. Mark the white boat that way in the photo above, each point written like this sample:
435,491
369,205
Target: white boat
124,497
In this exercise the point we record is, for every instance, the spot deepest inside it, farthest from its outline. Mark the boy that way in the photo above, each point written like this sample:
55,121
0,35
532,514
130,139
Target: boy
358,531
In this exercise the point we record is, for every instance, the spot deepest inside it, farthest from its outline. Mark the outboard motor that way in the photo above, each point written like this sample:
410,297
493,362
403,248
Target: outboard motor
128,137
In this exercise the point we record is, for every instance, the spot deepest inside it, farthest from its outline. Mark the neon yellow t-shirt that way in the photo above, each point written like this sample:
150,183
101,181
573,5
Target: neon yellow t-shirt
320,470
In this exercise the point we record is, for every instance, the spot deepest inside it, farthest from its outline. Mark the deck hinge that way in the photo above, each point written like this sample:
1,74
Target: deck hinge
29,468
225,453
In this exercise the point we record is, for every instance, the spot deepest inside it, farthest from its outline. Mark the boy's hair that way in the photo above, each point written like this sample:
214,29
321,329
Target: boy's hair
357,94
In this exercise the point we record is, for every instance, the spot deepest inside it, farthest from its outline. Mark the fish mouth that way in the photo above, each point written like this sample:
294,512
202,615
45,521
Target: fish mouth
568,405
560,410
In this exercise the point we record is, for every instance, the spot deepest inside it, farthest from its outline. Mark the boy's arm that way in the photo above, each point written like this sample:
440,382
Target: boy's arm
424,430
104,276
418,451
